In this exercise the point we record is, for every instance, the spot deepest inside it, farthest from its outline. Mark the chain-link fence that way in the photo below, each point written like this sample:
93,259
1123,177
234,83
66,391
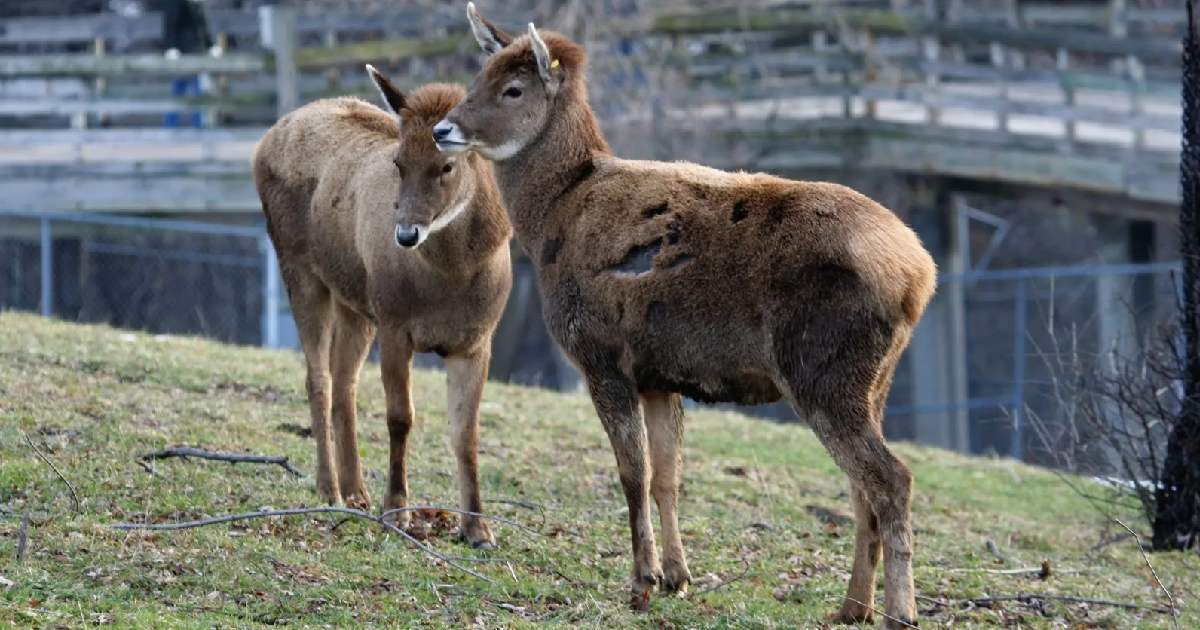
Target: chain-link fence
159,275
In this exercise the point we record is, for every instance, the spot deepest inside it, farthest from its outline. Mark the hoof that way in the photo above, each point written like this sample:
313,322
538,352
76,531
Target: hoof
851,618
329,494
477,534
359,500
899,623
675,578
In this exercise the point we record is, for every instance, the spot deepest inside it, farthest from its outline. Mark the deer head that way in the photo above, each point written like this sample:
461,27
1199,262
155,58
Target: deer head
435,186
514,96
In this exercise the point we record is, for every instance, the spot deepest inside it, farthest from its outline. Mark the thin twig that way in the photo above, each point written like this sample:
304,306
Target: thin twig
229,518
23,537
148,468
902,622
719,585
38,452
528,505
1170,598
233,458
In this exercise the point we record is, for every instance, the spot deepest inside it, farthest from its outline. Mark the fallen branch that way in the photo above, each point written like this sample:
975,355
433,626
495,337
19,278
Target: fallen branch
1170,598
1043,572
244,516
1027,598
233,458
38,452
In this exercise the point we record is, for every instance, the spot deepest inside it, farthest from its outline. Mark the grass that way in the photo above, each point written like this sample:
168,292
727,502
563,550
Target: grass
762,505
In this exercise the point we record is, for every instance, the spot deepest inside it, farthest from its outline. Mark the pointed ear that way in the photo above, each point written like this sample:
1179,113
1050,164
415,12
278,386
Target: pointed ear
542,53
391,96
490,38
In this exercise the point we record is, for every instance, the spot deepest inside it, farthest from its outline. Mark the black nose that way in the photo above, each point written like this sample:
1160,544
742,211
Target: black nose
407,236
441,130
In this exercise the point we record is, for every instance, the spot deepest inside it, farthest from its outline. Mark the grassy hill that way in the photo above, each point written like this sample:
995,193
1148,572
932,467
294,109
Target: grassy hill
764,512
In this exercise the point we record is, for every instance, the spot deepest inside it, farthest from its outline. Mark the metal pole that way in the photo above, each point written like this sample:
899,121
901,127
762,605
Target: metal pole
270,317
47,254
1017,449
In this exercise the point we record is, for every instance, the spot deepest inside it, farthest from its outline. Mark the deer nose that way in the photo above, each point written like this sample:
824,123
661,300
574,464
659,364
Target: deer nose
407,235
442,130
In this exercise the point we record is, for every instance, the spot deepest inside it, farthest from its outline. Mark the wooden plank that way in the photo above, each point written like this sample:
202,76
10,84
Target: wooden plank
155,136
123,65
148,187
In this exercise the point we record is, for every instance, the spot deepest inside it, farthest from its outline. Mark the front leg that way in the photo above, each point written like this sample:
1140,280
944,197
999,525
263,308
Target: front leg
465,376
616,401
395,366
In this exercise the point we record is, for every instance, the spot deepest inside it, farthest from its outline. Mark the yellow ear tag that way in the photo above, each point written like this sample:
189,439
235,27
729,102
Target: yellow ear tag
554,64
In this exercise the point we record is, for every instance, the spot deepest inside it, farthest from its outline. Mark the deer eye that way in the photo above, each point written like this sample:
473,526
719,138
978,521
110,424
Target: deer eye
446,168
513,92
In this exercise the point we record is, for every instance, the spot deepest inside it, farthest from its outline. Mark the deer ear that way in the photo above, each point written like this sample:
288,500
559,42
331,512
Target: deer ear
392,97
491,39
542,53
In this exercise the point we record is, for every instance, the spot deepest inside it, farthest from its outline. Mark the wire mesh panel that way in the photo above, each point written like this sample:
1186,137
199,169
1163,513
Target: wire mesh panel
154,275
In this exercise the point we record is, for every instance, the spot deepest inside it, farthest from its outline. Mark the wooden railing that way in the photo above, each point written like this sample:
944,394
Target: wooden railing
1008,78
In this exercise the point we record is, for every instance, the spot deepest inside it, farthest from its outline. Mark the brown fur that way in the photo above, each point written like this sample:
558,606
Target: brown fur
666,278
327,177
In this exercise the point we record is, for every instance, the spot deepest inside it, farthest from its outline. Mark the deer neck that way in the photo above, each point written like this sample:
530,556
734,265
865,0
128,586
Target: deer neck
461,247
554,162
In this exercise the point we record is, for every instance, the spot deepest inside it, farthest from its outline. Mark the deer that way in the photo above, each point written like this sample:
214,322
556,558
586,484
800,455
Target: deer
668,279
377,232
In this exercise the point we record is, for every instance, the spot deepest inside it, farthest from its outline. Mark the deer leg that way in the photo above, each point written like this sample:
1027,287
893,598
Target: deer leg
664,428
395,366
465,376
857,446
616,402
352,337
860,595
312,309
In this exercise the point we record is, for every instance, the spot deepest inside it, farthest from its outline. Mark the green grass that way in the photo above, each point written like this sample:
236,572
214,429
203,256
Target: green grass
756,503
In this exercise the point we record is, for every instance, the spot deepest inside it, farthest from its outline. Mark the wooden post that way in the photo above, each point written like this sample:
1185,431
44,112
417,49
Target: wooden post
820,46
937,354
1117,26
333,76
997,53
1068,89
870,104
931,47
278,28
1137,90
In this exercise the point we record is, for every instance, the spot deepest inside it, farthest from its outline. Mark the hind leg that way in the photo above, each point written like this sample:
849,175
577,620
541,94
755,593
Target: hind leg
312,308
352,337
860,595
886,485
664,428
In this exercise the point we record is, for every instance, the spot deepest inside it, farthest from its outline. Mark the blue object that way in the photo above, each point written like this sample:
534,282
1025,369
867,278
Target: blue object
184,87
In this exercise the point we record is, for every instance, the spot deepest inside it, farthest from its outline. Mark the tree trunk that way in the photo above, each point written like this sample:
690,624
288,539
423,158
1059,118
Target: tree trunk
1177,499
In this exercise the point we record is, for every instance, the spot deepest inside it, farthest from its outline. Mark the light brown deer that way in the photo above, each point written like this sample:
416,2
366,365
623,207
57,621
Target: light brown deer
376,230
661,279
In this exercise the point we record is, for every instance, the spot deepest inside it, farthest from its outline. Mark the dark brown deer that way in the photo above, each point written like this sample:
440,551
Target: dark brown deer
376,230
661,279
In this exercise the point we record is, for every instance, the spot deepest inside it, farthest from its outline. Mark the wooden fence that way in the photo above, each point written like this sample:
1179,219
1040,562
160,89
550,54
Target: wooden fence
968,90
